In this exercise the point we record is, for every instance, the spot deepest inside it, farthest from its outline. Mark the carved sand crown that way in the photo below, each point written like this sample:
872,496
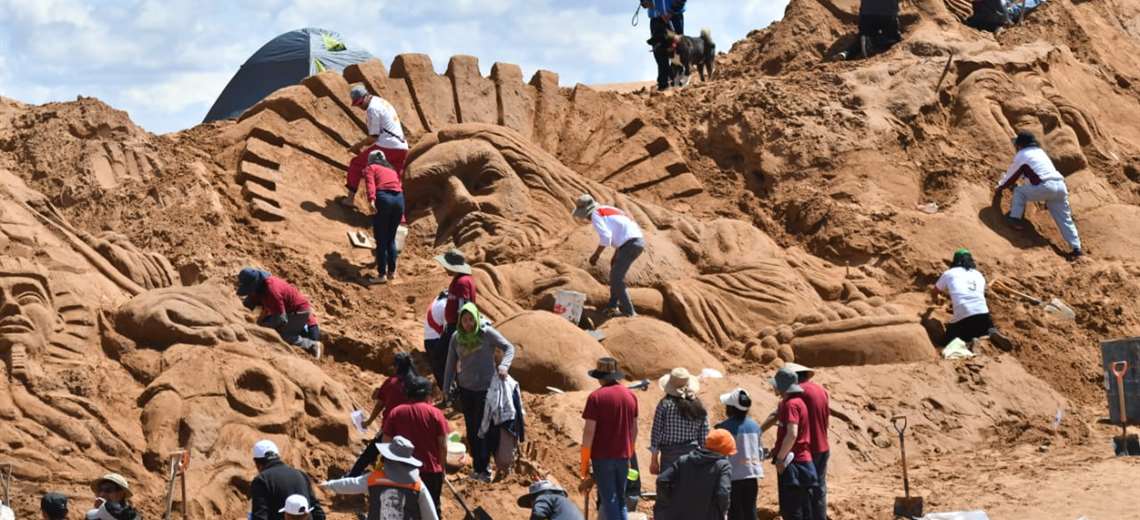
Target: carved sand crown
592,132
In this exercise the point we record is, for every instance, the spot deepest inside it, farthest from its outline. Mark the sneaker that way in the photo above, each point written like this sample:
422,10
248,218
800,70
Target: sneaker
1075,255
484,477
612,312
317,349
392,277
375,280
1000,340
1015,223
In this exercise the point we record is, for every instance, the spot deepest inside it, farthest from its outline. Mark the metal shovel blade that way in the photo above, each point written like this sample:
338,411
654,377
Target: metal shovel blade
908,507
479,514
1126,445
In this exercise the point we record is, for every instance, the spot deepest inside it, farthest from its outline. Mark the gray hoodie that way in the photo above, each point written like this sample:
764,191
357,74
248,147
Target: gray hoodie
473,370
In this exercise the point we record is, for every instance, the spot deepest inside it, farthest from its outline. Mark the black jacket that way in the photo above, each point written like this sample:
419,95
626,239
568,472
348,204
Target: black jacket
122,511
274,484
554,506
696,487
879,8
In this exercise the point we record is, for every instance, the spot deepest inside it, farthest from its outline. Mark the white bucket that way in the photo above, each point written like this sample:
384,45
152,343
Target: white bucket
569,304
401,237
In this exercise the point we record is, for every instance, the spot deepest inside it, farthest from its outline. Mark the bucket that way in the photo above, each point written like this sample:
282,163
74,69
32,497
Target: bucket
456,454
401,237
569,304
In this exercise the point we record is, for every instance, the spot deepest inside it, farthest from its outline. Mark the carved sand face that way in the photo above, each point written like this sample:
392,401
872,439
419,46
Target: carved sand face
27,315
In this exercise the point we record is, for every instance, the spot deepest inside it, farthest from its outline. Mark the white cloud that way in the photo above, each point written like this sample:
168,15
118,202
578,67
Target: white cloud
164,61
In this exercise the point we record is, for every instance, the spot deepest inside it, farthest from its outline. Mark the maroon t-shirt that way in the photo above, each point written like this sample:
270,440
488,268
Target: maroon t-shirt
391,393
819,414
423,424
793,410
280,297
462,288
614,408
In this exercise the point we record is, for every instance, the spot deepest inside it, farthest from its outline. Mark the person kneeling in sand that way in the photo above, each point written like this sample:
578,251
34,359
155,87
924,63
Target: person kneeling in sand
967,290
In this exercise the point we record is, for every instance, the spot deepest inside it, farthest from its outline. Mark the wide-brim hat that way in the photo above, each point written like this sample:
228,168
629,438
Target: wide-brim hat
584,206
677,380
798,368
786,382
115,479
539,488
454,261
399,450
607,368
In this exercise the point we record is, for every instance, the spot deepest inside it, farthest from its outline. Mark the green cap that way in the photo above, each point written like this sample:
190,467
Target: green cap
961,251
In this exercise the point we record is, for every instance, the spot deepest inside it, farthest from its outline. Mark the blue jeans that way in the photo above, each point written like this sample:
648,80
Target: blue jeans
1055,195
623,259
389,211
611,474
819,460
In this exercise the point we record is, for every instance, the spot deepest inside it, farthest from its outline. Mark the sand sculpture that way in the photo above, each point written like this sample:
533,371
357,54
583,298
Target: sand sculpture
507,202
589,131
93,326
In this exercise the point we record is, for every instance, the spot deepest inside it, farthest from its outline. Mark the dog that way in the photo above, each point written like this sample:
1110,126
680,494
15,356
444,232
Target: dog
689,52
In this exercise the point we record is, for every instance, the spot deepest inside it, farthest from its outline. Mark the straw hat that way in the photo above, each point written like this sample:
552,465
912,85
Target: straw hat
584,206
115,479
677,381
454,261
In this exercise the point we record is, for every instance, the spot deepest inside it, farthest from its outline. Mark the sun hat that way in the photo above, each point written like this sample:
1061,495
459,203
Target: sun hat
399,450
738,399
1025,139
377,157
798,368
115,479
454,261
54,505
539,488
585,206
786,382
296,505
357,94
607,369
721,441
263,448
677,381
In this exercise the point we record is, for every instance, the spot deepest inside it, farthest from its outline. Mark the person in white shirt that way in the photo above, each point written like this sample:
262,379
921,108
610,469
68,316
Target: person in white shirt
966,287
434,345
1044,184
384,133
615,229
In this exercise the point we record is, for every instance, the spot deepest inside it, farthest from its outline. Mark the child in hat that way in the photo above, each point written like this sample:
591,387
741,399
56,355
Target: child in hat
747,463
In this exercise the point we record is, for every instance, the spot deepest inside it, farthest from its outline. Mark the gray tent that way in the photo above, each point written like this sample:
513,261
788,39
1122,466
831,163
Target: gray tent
284,61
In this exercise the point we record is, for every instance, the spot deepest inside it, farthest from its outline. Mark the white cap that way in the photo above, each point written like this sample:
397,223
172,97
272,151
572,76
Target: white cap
263,448
735,398
296,505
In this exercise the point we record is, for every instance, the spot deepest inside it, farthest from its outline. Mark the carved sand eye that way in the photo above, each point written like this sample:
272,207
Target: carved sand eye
252,391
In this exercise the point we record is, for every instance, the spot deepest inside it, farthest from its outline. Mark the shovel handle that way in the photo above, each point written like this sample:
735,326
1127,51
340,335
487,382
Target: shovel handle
1119,368
896,421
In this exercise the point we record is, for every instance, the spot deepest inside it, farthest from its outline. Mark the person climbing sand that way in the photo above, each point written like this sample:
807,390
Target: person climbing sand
966,287
283,308
471,366
615,229
878,29
460,292
384,134
386,195
1044,184
680,422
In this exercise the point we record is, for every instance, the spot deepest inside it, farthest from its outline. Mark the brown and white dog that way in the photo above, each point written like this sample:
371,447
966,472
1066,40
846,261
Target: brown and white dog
688,52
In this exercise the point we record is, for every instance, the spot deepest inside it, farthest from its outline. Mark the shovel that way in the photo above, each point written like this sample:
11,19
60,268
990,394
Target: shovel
1055,306
1125,445
905,506
478,514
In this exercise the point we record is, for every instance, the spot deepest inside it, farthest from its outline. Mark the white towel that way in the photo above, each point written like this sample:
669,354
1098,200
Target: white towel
500,406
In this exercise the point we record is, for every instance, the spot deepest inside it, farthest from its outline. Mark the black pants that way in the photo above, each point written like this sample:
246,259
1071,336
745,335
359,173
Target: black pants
798,487
970,328
436,351
472,402
366,458
882,32
434,484
742,505
661,53
820,461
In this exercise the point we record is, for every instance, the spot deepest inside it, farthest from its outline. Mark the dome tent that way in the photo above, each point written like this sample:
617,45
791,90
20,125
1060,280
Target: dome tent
284,61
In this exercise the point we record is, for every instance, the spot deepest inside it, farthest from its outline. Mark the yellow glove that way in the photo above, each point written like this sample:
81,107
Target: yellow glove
585,469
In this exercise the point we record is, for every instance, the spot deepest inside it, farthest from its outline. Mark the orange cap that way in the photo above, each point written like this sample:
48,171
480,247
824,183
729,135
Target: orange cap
721,442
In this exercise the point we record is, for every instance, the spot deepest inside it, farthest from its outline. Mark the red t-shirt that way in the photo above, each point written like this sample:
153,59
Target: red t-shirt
462,288
614,408
423,424
280,297
381,178
793,410
819,413
391,393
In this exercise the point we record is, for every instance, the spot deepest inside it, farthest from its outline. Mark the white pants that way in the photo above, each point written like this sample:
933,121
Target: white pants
1056,197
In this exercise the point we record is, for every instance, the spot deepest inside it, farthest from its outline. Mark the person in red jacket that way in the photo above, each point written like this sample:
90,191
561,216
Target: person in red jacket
283,308
461,290
386,194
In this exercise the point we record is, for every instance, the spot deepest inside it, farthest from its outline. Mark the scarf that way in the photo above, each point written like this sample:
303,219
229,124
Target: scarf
470,341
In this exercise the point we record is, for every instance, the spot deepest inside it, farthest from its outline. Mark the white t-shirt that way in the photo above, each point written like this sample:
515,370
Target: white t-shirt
614,227
384,123
435,322
967,290
1040,170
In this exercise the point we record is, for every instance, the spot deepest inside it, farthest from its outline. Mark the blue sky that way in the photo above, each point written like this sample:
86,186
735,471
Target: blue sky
164,61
